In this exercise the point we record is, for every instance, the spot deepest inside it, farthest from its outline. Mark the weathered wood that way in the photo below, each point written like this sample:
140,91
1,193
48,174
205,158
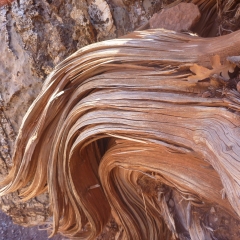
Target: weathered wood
122,112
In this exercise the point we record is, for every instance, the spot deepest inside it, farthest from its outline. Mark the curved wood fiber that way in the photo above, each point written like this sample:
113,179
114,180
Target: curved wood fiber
121,125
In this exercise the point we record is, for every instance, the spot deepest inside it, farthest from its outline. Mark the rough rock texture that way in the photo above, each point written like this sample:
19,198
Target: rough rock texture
130,15
10,231
181,17
18,88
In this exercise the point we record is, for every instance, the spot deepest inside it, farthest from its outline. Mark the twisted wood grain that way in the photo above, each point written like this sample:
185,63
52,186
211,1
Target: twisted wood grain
120,116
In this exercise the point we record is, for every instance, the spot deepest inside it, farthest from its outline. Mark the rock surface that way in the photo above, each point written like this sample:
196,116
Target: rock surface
18,87
181,17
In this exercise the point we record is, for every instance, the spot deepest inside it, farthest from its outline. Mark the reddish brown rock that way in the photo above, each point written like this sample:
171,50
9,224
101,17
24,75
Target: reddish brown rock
5,2
181,17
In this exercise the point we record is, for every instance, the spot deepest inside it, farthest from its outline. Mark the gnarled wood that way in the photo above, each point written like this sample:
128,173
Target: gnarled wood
120,116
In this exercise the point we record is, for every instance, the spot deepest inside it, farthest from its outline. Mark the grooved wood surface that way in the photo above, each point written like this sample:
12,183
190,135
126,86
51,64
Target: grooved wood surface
121,114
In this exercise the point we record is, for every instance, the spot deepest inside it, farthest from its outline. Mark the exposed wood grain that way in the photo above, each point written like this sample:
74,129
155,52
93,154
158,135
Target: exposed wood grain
120,113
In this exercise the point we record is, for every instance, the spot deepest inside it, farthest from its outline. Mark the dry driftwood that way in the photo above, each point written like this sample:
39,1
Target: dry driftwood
122,123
